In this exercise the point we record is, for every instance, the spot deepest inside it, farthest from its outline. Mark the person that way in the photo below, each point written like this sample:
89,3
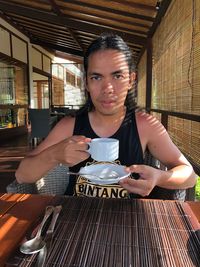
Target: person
110,111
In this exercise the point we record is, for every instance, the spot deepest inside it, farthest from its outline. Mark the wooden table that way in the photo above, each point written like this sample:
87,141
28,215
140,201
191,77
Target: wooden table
18,213
103,232
195,207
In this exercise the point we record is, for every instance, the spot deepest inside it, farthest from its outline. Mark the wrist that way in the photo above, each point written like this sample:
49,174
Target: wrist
51,156
163,177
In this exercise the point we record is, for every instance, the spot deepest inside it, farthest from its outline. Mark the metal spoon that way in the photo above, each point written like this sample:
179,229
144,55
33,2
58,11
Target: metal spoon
111,175
36,244
48,238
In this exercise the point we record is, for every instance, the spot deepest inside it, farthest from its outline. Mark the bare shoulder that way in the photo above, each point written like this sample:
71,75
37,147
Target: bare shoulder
66,121
154,136
64,128
148,122
150,130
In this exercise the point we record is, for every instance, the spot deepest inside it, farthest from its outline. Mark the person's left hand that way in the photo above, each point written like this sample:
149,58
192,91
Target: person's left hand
149,178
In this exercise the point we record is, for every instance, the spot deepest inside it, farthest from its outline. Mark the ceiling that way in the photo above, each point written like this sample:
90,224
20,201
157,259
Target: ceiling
67,27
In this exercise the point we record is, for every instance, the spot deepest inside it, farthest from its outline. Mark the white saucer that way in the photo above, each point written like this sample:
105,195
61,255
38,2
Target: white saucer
104,170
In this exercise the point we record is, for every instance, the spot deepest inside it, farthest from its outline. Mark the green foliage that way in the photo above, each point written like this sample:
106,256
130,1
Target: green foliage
197,189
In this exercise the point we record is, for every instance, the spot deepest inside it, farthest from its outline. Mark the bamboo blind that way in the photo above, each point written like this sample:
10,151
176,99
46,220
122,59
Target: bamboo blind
176,59
176,73
157,115
186,134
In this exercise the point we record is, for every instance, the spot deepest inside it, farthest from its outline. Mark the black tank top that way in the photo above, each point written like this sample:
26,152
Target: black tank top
130,152
130,149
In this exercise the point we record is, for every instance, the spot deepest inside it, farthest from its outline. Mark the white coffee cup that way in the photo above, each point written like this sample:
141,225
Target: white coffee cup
104,149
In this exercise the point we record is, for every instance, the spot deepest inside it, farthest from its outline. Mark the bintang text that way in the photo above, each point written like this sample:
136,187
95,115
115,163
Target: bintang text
99,191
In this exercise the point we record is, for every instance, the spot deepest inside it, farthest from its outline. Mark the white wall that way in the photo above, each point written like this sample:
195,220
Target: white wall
21,45
5,47
19,49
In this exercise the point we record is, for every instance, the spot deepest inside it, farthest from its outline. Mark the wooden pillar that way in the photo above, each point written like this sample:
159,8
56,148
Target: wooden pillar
164,120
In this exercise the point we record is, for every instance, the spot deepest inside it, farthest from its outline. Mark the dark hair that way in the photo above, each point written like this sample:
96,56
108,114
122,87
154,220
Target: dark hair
111,41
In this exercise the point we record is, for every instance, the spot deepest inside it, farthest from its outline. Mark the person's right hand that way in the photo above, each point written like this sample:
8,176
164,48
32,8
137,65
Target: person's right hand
72,150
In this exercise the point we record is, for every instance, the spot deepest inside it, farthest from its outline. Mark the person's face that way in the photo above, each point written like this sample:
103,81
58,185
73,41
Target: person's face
108,80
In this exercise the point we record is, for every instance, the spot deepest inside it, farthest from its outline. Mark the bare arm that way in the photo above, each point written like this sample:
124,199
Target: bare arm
180,174
59,147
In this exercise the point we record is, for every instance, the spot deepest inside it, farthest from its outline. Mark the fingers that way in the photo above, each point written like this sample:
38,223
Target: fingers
79,138
74,150
140,187
137,168
78,143
76,157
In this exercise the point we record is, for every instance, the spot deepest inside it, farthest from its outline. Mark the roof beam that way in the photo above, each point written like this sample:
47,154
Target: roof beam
162,10
103,16
59,14
119,12
57,47
77,25
136,5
